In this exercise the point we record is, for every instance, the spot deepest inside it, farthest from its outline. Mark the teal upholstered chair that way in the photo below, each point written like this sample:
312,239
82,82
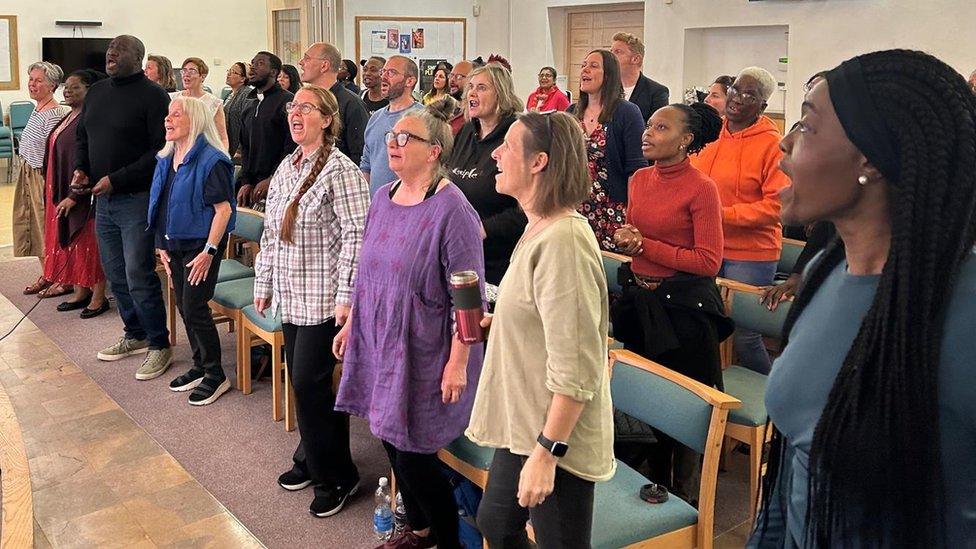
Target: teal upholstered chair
612,262
229,298
225,92
788,255
255,328
748,423
691,413
20,112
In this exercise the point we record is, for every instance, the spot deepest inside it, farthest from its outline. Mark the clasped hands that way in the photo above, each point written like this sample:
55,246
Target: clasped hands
629,240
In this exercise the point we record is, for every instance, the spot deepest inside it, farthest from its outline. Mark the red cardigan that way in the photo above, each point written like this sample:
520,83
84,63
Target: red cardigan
678,212
555,101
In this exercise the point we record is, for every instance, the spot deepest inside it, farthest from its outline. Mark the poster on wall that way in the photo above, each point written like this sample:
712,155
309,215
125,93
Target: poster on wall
393,39
427,67
418,39
405,43
377,44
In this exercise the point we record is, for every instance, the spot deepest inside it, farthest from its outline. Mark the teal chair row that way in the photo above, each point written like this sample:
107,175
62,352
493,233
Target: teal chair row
748,423
225,93
682,408
20,112
787,257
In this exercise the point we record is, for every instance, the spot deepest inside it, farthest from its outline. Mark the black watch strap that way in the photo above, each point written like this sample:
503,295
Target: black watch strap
555,447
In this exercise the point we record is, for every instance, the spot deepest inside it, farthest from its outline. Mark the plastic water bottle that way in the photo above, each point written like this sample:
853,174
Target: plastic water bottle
399,516
382,514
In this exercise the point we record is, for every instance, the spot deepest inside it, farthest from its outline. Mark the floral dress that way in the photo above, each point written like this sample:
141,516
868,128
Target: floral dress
604,214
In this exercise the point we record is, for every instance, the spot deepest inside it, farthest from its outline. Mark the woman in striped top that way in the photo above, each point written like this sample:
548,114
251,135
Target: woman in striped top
28,212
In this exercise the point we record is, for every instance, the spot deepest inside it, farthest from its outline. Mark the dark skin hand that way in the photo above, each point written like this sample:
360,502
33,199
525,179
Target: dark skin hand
774,295
629,240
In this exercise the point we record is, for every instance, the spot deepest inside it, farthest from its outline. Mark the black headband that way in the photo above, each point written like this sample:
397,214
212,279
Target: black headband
860,118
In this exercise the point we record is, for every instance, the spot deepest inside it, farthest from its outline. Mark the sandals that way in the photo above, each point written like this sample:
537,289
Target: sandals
40,285
55,290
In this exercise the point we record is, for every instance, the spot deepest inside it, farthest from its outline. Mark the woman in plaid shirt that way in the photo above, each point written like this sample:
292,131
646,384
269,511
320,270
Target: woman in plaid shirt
316,209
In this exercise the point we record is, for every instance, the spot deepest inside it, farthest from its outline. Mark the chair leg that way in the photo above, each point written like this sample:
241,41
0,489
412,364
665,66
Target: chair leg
289,402
276,368
755,464
245,379
239,339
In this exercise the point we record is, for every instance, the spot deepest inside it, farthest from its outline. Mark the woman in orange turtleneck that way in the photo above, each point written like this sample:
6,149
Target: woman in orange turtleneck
670,310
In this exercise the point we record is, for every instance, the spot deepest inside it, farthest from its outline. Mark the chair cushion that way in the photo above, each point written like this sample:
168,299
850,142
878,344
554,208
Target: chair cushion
235,294
267,322
232,269
5,132
750,388
621,517
470,453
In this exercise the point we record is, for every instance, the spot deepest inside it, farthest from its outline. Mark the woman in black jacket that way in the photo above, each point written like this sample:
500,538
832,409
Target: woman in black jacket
490,105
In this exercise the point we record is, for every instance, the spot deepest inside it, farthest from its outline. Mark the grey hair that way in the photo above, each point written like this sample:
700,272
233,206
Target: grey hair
201,123
766,80
52,72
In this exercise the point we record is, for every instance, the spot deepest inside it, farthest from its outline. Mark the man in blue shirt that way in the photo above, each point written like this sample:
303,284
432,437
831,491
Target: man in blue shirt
399,76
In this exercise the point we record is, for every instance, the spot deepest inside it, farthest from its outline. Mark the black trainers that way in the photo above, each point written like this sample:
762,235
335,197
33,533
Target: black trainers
332,501
186,381
294,480
208,391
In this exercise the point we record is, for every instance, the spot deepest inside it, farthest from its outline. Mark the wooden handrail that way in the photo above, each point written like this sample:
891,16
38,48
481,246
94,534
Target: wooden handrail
708,394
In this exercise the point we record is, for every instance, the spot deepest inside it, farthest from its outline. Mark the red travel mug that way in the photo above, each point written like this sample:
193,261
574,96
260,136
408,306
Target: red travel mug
468,310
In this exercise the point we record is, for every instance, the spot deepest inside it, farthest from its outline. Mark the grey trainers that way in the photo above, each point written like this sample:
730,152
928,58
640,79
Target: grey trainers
125,347
156,363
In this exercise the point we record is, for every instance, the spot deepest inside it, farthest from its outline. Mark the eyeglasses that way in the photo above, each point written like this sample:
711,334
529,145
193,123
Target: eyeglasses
457,76
304,108
546,75
401,138
191,71
389,72
744,97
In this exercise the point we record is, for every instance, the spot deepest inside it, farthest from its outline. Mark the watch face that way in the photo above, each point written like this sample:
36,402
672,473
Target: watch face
559,448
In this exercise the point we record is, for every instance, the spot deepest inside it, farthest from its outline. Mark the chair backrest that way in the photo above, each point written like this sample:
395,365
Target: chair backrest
789,254
612,262
684,409
224,93
748,313
20,112
249,225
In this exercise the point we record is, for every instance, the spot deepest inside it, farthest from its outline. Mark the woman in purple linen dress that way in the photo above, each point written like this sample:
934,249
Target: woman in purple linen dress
403,368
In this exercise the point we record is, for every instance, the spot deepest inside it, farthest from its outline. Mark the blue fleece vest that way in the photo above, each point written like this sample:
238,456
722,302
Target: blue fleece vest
187,216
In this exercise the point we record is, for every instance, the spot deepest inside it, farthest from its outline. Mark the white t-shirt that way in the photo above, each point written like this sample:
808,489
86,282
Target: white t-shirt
629,91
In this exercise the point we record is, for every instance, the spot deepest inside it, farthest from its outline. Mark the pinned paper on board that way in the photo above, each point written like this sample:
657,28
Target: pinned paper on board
377,43
418,39
405,43
393,39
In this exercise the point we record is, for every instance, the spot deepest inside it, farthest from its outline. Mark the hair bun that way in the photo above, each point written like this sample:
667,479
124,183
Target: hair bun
711,121
442,109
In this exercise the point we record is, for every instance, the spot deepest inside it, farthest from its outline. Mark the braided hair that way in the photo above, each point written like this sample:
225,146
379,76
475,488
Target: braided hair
328,106
703,122
880,425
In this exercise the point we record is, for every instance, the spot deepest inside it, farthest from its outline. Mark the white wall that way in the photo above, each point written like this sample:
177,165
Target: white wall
404,8
229,30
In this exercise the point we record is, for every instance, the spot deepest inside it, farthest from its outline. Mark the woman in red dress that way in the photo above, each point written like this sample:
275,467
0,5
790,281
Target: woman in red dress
70,248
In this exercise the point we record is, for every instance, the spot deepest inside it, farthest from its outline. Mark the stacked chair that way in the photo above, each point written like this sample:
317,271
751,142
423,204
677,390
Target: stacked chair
20,112
7,146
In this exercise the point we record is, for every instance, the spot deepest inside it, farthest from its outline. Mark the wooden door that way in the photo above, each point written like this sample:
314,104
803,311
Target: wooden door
594,29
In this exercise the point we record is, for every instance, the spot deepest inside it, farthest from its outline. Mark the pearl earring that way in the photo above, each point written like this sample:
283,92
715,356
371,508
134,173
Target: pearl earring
862,180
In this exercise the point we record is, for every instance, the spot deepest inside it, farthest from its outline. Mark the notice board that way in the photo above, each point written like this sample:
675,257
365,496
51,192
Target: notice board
426,40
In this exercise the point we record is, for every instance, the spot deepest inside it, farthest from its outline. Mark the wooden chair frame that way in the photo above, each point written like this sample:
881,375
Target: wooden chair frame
282,395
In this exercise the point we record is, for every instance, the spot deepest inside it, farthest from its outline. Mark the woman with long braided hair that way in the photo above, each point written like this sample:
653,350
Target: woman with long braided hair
313,230
873,396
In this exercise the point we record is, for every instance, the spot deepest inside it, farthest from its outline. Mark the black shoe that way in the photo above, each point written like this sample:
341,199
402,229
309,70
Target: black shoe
332,501
66,306
294,480
92,313
187,381
208,391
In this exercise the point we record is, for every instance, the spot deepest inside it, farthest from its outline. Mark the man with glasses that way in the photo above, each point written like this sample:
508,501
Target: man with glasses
320,67
373,96
265,139
399,76
458,78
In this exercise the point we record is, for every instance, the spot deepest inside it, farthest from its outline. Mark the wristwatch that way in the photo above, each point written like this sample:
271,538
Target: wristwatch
555,447
210,249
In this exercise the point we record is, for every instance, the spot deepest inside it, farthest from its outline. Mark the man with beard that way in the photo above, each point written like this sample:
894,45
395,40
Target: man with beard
119,132
458,81
265,138
320,67
373,95
399,76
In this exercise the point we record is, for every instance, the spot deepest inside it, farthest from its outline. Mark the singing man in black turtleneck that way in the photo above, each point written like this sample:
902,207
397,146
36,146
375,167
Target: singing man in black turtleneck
120,130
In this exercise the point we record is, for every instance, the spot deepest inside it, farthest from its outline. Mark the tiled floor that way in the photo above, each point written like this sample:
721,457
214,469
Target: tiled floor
98,479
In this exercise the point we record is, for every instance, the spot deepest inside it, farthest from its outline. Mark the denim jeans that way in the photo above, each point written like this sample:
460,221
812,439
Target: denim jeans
749,348
128,259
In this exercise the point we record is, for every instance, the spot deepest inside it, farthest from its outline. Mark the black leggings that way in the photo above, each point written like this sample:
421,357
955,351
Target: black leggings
323,452
563,520
427,495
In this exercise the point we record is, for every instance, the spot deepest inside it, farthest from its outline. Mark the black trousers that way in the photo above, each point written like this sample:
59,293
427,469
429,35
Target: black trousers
563,520
427,495
192,302
323,451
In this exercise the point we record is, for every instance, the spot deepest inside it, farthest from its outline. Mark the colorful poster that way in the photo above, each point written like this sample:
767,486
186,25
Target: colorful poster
393,39
418,39
427,67
405,43
378,43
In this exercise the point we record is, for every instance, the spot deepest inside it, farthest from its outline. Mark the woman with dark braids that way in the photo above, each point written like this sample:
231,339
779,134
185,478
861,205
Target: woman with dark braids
313,229
670,310
873,396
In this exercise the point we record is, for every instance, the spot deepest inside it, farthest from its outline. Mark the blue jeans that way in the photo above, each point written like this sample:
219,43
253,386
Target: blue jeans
749,347
128,259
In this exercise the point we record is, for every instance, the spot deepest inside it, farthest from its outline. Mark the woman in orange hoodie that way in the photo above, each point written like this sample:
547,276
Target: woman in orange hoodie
744,163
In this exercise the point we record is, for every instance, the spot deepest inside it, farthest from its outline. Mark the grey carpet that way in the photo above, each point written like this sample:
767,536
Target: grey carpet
232,447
